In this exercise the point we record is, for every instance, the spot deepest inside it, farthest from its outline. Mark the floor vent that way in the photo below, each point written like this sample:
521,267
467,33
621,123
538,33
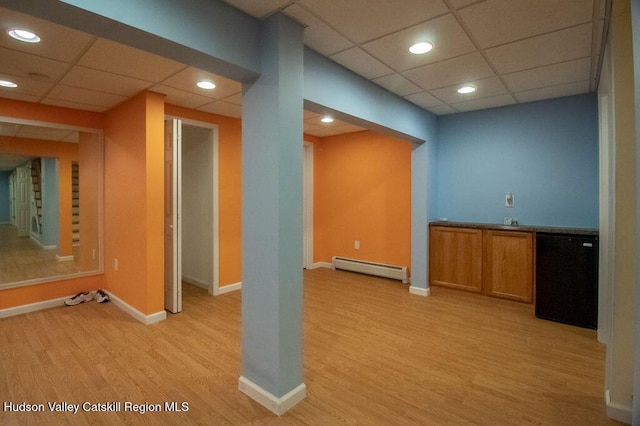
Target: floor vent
371,268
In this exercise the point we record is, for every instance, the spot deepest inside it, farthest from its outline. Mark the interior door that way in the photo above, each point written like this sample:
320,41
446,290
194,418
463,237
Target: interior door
173,210
22,195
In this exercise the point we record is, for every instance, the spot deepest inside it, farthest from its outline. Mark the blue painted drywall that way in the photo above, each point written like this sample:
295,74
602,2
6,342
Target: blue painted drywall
545,153
272,213
330,85
5,212
50,202
207,34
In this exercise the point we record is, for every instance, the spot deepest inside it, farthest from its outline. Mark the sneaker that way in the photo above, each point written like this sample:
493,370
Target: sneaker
102,297
79,298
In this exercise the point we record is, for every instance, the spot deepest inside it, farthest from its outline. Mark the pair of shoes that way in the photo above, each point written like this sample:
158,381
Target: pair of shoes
102,297
79,298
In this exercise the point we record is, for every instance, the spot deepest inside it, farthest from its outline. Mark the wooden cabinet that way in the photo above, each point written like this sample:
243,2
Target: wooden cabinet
456,257
507,269
493,262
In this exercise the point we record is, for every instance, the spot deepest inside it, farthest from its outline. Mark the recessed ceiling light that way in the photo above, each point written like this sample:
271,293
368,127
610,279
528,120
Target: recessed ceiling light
327,119
23,35
205,84
421,48
7,83
467,89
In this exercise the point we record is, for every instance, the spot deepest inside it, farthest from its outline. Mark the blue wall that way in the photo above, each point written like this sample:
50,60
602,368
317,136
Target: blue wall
5,214
545,153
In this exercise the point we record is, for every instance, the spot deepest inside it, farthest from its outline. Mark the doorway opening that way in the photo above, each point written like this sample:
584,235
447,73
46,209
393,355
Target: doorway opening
191,208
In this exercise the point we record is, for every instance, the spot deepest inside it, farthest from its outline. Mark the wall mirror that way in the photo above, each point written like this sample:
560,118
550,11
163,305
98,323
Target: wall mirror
50,202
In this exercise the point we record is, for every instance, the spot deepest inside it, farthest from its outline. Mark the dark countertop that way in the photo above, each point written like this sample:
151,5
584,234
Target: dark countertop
522,228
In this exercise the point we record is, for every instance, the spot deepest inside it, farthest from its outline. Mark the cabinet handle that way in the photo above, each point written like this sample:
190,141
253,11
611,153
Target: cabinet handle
587,245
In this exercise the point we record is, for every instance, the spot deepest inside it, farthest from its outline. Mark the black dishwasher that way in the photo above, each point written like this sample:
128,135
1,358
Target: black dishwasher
567,278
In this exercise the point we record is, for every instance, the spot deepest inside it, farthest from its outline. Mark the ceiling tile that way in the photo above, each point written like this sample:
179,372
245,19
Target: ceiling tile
46,133
223,108
488,87
459,4
447,36
495,22
124,60
74,105
234,99
180,97
423,99
19,96
9,129
397,84
349,128
360,62
550,75
51,35
442,110
22,64
318,35
26,87
458,70
101,81
259,9
187,78
553,92
321,132
572,43
84,96
364,20
484,103
310,115
9,162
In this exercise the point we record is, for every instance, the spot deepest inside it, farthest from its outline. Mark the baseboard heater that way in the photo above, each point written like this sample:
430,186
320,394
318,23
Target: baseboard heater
371,268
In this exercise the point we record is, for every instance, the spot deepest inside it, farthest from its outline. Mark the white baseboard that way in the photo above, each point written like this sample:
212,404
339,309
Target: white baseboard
321,265
196,282
33,307
64,258
143,318
616,411
227,288
53,303
276,405
419,291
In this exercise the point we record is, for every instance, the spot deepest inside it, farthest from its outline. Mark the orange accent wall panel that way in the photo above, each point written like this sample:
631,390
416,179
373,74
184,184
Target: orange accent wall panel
51,114
362,192
19,296
134,202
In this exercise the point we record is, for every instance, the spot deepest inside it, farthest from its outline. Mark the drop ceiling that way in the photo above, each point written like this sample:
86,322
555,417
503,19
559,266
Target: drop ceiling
513,51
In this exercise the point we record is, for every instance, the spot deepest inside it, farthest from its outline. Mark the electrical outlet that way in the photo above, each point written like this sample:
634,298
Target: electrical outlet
508,200
356,245
115,264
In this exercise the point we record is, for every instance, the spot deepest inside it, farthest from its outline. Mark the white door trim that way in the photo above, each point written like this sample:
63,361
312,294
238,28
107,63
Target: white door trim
307,181
214,286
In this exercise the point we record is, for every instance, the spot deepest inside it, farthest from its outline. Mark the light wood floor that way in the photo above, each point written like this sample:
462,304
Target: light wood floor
373,354
23,259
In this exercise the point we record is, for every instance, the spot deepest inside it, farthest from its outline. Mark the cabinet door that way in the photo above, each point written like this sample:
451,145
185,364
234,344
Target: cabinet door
508,265
455,257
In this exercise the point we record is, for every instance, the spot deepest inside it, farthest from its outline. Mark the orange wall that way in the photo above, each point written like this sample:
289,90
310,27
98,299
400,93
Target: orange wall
134,201
50,114
29,111
229,189
362,191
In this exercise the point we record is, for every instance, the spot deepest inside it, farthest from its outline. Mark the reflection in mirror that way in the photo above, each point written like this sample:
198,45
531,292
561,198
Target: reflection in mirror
50,192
